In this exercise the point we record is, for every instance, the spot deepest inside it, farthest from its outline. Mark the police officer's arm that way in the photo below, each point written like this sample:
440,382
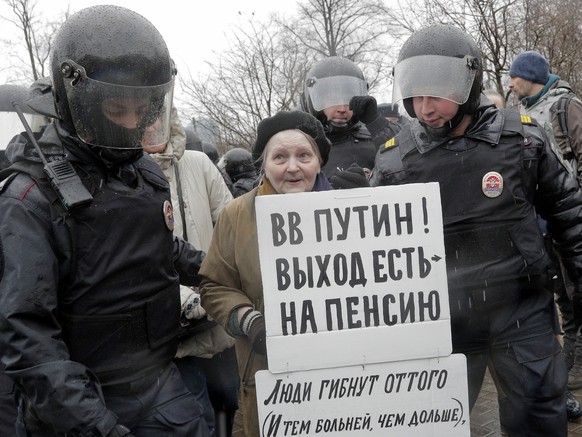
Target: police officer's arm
575,133
187,261
365,109
64,394
558,200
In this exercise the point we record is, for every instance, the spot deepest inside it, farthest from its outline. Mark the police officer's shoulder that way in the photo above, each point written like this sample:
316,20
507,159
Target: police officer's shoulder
516,123
526,120
391,144
22,187
532,128
361,132
152,172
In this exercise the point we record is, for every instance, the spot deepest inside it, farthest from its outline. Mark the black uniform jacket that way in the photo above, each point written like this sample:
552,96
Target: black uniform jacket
494,180
88,298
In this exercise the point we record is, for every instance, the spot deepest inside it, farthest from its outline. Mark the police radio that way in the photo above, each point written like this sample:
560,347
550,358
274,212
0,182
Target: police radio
61,174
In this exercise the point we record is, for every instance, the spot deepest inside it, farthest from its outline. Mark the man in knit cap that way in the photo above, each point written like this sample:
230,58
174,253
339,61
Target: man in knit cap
539,93
551,101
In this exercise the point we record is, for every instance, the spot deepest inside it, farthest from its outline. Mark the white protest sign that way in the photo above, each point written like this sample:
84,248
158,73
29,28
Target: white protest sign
353,276
416,398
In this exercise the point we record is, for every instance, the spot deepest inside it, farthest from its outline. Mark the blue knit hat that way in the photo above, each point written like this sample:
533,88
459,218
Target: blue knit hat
530,66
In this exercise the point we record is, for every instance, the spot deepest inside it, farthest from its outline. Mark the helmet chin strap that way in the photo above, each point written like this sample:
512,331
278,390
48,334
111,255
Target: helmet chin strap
440,133
333,127
116,157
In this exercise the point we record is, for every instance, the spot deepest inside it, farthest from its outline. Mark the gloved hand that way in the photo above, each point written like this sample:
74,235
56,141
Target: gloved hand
353,177
120,431
365,108
258,336
577,303
191,307
252,325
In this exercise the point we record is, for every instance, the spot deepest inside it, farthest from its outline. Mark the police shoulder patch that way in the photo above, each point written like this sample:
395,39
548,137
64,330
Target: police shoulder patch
526,119
390,143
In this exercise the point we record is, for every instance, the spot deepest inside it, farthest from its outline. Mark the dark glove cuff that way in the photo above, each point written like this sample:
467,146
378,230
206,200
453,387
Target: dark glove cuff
120,431
107,423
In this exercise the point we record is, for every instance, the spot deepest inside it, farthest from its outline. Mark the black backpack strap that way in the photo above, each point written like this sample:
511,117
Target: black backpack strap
180,194
561,110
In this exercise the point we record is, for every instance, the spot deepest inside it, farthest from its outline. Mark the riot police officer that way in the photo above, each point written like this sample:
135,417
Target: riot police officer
329,86
495,170
89,289
193,141
237,163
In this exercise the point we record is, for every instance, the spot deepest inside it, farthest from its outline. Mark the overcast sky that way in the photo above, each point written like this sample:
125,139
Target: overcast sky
193,29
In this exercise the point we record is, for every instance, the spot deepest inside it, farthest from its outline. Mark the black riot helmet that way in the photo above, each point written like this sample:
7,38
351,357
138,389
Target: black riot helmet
112,78
237,163
330,82
211,151
440,61
193,141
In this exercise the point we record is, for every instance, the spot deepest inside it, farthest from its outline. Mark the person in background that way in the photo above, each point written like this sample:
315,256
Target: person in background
193,141
289,151
329,86
391,112
89,317
554,105
238,164
211,151
496,171
205,357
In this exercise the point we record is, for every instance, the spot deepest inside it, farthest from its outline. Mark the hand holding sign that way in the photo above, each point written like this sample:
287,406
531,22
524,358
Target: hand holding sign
252,323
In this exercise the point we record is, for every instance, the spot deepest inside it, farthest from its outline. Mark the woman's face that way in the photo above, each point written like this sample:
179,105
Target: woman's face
291,163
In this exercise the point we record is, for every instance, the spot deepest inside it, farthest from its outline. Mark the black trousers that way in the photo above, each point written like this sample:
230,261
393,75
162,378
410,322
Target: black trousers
518,339
156,406
8,410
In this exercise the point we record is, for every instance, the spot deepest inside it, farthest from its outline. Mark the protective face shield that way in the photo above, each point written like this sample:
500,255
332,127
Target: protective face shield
331,91
117,116
112,80
435,76
440,61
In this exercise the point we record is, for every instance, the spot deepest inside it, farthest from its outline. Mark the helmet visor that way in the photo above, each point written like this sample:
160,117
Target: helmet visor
434,76
333,91
119,116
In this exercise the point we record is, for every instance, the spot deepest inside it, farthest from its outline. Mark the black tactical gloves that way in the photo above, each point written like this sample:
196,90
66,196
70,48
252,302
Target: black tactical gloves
352,177
252,324
365,108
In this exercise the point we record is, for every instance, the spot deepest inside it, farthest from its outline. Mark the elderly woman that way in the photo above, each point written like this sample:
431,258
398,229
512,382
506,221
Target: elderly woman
290,150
